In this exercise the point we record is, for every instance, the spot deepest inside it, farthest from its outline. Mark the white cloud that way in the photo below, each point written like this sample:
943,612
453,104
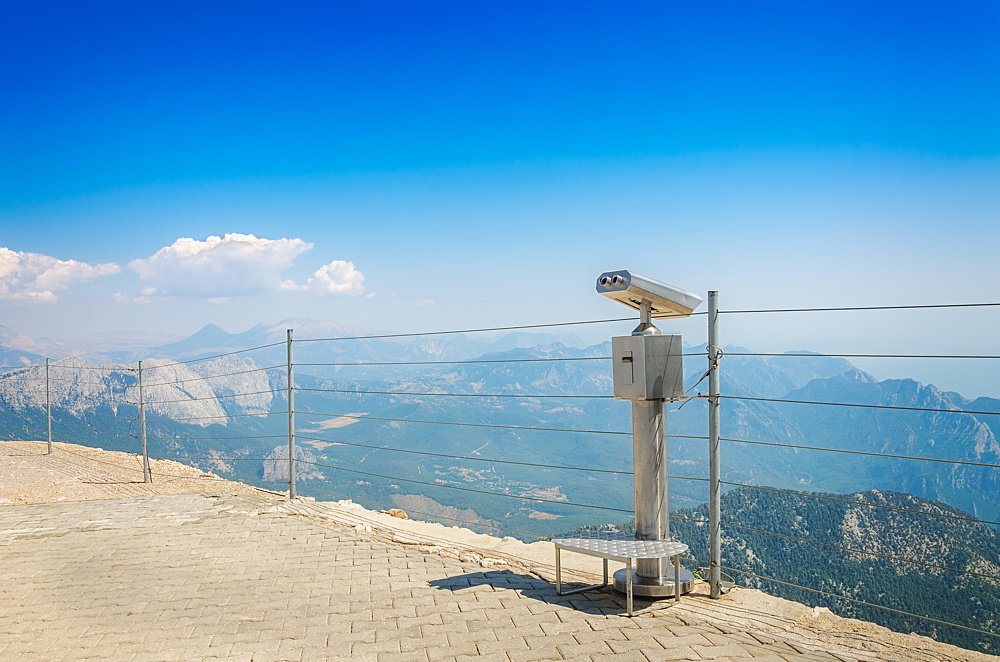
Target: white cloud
338,277
34,277
233,265
425,302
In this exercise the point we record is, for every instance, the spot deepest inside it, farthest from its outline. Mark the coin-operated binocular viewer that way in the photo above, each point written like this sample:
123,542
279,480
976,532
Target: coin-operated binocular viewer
649,370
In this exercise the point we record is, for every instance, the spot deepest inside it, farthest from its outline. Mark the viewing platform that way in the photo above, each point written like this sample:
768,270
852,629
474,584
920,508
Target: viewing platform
97,565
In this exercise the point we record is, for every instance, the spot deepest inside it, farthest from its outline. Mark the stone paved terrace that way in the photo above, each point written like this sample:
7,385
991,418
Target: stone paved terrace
220,571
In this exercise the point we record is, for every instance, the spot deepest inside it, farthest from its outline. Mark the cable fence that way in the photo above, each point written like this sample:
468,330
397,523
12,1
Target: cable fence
368,456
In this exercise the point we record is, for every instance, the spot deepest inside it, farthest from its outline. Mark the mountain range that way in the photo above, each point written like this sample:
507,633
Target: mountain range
129,347
514,367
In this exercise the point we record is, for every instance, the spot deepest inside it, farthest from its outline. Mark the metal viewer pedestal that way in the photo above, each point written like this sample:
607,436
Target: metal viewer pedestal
647,368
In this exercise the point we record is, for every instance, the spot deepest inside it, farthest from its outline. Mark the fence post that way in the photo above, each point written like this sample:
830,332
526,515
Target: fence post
142,418
48,405
714,471
291,421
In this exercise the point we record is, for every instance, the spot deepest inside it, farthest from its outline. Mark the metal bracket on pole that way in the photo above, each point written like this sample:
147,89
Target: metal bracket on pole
142,419
48,405
714,471
291,421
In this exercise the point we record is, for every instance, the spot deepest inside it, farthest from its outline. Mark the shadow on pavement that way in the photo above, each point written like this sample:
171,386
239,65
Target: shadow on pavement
602,602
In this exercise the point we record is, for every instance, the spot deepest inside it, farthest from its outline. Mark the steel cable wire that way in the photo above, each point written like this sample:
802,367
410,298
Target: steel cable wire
857,601
219,397
810,495
688,519
859,551
464,457
119,367
170,478
468,361
68,381
40,432
453,519
210,457
90,427
134,456
225,374
463,489
484,459
121,418
97,398
475,425
263,482
847,404
869,453
158,474
496,328
203,418
408,510
216,356
260,436
851,308
457,395
870,356
175,477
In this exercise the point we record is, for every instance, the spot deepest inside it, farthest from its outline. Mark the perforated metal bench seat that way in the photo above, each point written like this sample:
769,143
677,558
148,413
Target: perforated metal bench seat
620,547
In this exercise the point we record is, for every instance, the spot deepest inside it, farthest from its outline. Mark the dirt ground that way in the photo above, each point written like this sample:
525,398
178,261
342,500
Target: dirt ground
78,473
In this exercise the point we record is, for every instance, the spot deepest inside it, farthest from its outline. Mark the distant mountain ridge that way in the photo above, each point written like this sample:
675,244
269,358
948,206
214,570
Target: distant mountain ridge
127,347
343,386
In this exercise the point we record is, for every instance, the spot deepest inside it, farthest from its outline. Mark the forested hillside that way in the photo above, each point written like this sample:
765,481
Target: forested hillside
903,556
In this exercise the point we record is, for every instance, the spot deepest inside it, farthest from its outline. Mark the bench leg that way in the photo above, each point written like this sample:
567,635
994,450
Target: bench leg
628,583
559,590
677,578
558,573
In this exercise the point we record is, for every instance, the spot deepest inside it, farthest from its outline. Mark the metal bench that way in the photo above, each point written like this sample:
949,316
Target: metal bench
620,547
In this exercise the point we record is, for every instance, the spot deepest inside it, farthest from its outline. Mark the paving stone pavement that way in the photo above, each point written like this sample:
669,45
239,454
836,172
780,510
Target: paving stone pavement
236,577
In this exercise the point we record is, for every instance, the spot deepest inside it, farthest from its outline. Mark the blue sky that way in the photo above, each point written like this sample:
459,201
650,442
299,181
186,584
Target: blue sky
475,164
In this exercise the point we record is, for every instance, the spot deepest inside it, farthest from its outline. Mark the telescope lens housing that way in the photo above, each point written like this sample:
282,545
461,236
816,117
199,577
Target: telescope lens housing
634,291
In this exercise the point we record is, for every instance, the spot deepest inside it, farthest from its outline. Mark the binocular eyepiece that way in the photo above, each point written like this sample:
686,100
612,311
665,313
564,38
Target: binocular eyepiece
612,281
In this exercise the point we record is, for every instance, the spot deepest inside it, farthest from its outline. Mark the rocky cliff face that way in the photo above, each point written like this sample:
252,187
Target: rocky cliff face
275,467
239,383
200,394
73,384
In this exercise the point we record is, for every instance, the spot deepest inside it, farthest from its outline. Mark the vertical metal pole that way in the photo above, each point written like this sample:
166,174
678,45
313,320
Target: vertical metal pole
142,419
649,454
291,421
48,405
714,468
